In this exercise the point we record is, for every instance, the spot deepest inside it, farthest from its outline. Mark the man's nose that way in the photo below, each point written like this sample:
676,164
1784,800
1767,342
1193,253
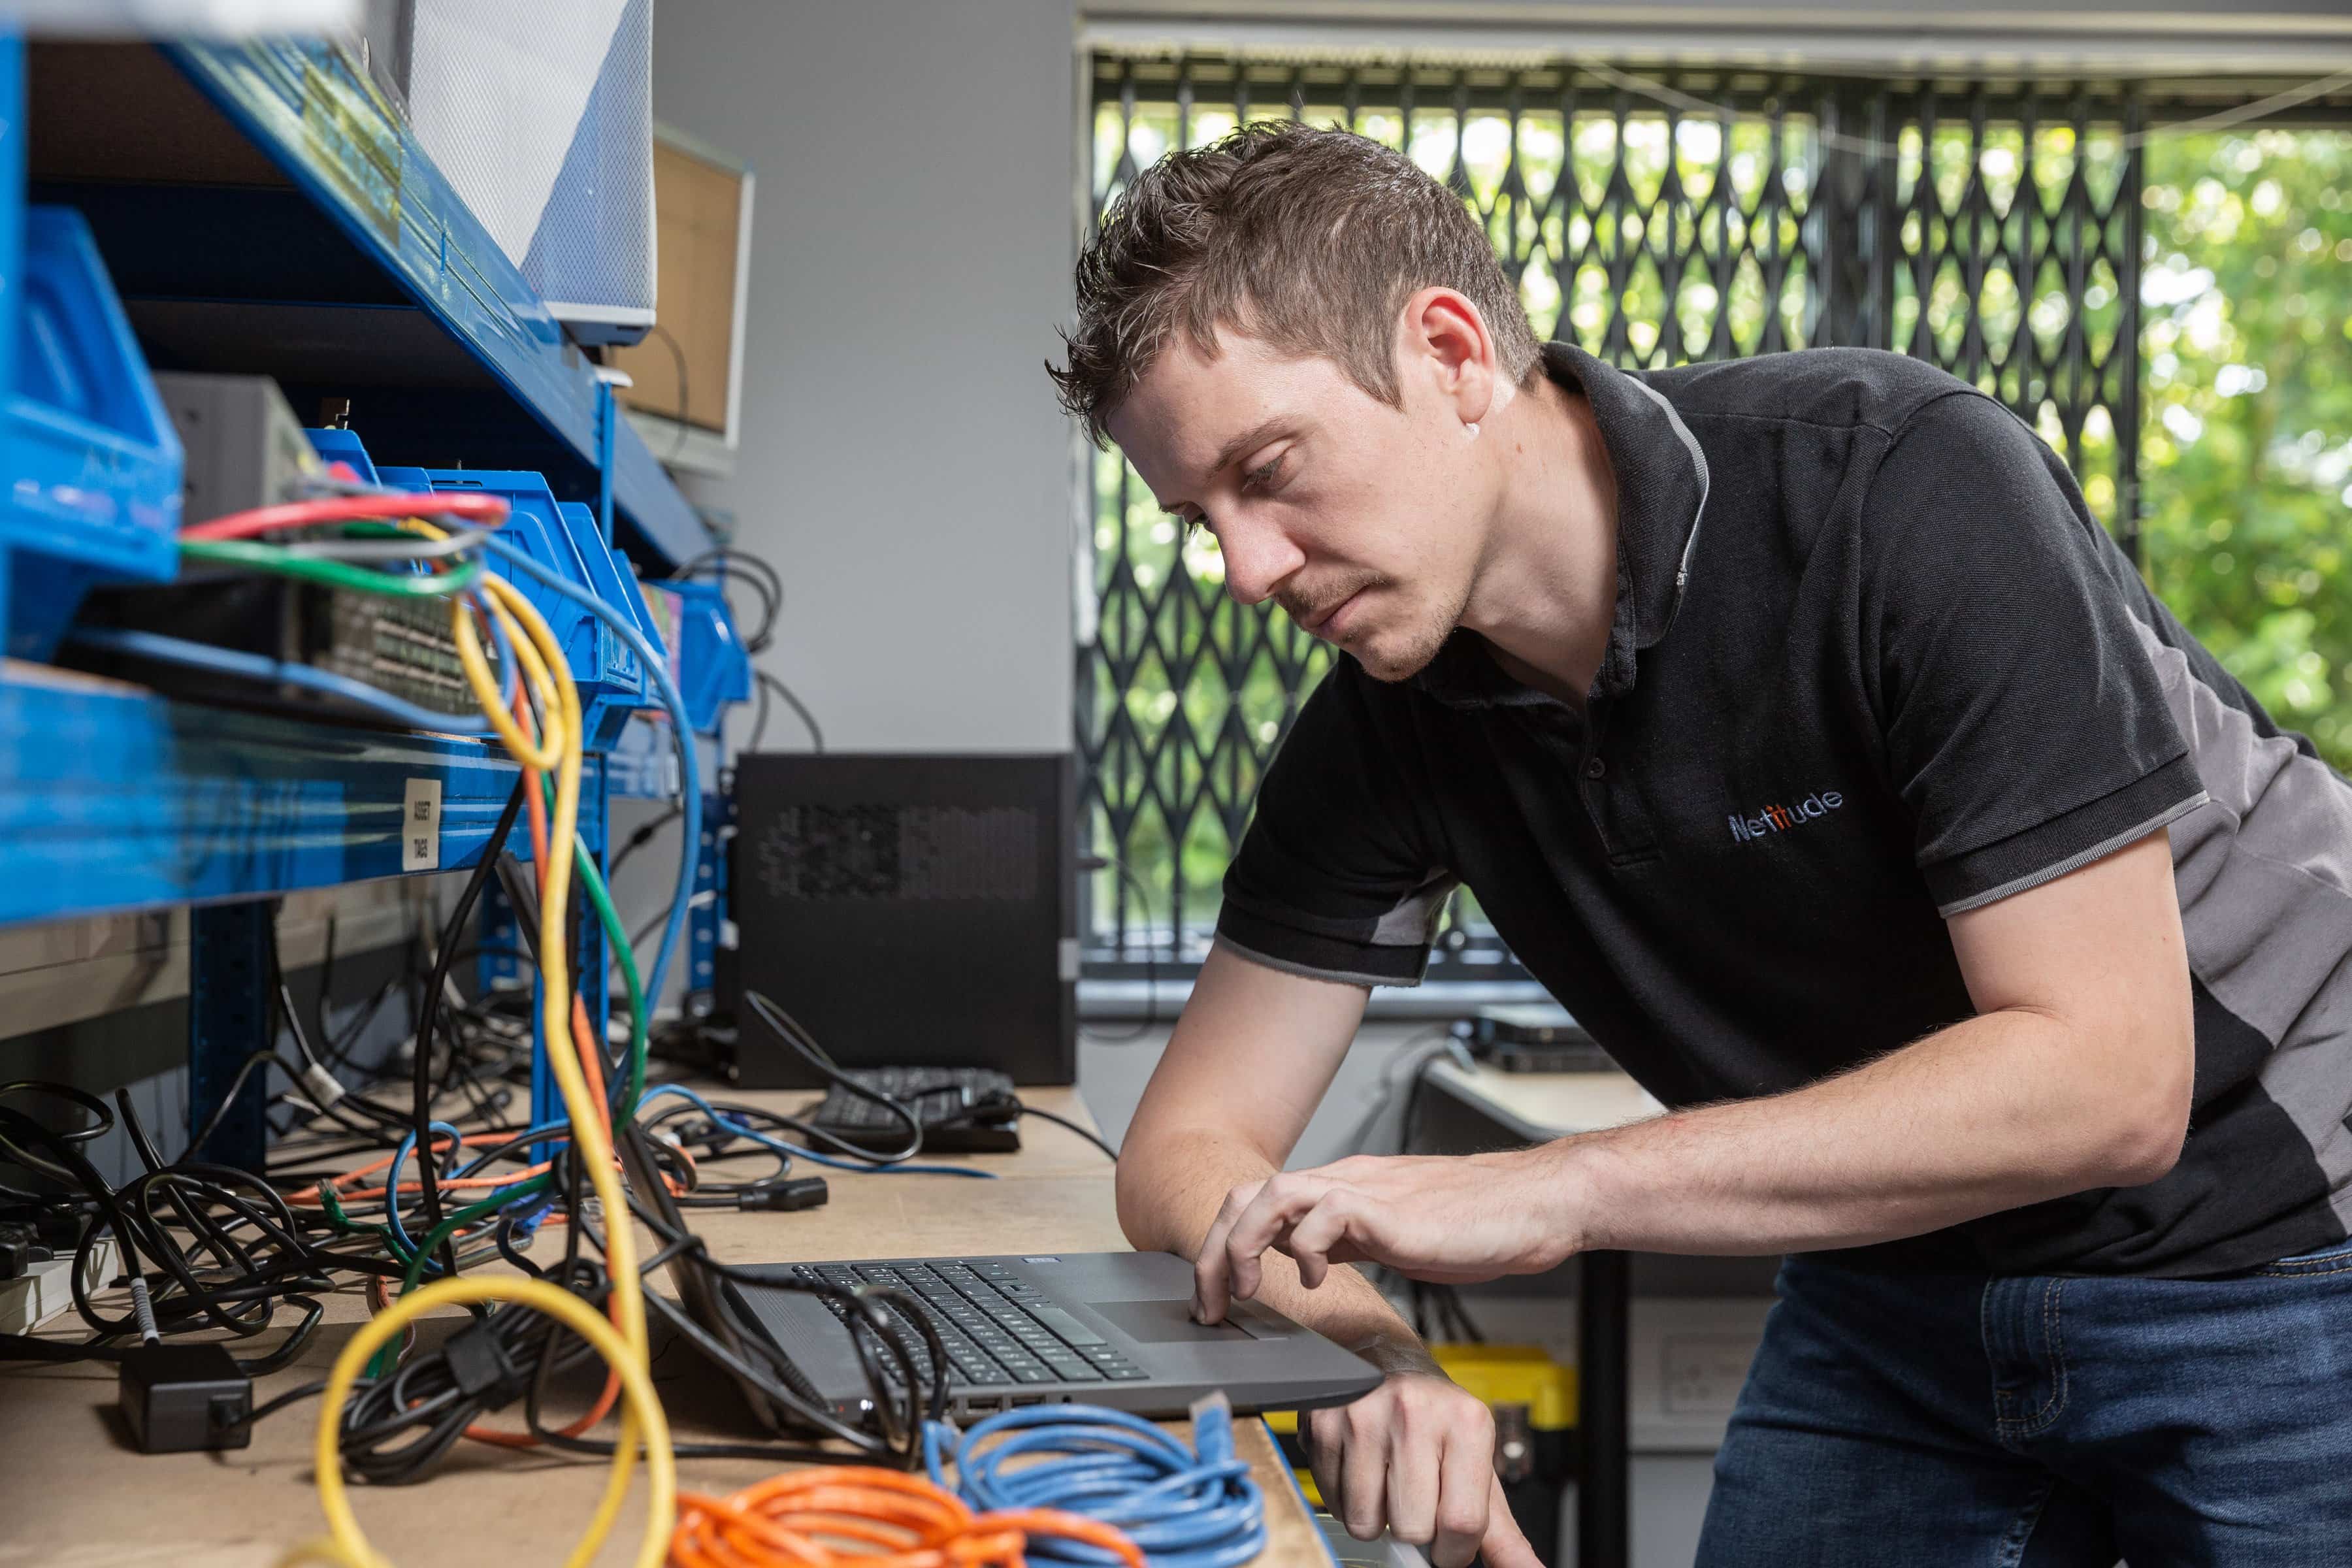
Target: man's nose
1258,557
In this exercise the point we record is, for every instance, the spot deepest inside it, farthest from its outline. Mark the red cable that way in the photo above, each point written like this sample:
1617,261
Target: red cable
484,510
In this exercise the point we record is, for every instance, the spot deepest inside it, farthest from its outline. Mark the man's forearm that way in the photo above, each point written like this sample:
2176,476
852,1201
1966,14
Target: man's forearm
1970,1121
1170,1197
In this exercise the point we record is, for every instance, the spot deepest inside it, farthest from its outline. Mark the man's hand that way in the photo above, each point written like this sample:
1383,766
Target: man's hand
1417,1454
1448,1219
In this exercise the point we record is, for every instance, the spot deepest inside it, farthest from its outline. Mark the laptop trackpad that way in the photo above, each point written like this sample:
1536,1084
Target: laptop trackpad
1165,1322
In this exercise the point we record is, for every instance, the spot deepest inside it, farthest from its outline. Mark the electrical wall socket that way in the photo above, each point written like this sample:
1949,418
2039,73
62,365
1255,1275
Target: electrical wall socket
1689,1359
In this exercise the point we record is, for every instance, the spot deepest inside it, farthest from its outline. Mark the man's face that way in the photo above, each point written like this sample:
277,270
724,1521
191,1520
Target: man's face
1365,521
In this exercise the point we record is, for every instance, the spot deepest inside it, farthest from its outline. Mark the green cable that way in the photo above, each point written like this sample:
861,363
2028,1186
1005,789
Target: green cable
383,1360
334,574
617,938
609,918
344,1225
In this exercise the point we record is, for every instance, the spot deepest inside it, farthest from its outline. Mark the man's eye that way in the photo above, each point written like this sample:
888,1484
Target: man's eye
1257,479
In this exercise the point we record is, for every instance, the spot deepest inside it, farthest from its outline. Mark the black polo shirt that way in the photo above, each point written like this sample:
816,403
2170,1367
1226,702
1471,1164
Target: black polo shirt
1873,663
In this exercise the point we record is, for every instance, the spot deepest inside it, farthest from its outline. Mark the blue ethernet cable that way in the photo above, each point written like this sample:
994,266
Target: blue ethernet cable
1186,1507
795,1152
392,1180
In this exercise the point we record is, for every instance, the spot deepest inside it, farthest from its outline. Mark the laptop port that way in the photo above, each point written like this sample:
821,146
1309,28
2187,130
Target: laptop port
1019,1400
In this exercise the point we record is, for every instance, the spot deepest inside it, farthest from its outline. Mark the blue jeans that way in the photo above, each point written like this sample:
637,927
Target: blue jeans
1918,1421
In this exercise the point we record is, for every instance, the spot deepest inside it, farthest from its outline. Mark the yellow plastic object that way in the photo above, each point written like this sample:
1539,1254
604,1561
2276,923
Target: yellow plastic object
1515,1374
1499,1374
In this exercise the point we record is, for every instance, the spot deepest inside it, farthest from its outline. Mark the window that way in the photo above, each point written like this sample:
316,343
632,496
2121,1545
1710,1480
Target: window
1998,231
2247,465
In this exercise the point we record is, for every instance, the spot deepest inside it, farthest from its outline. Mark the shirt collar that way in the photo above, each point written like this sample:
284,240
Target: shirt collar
1662,482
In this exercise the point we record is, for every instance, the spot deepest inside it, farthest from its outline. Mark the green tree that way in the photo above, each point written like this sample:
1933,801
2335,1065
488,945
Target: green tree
2246,461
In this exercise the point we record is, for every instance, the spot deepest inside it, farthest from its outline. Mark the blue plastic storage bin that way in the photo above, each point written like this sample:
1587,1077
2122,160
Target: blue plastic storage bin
90,463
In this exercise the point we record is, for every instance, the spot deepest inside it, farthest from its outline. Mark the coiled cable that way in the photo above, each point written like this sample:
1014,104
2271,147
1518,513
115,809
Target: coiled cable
854,1516
1193,1507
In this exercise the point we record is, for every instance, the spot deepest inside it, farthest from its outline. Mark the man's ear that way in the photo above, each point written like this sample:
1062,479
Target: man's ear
1443,342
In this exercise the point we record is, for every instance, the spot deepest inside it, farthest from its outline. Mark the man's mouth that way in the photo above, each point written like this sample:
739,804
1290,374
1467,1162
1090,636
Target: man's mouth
1316,623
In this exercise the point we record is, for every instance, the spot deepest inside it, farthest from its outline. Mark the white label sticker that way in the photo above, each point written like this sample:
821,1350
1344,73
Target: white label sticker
420,827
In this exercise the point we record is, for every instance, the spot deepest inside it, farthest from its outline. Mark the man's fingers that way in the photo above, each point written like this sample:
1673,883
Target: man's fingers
1363,1486
1277,1204
1504,1546
1324,1227
1465,1483
1326,1439
1212,1270
1413,1479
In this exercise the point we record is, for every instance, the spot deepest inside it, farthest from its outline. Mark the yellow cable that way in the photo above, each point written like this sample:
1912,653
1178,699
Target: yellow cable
348,1547
547,755
542,661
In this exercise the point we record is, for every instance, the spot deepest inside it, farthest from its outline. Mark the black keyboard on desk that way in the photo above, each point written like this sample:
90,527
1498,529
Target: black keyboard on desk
942,1100
999,1329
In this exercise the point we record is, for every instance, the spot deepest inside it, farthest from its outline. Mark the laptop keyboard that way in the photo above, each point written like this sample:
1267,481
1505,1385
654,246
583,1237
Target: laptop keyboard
999,1329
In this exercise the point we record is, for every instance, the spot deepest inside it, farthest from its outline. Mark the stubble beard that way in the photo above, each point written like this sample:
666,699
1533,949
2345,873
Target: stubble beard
1402,648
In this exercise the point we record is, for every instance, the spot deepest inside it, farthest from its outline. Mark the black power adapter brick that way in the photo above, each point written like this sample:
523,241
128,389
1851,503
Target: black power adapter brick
179,1398
793,1194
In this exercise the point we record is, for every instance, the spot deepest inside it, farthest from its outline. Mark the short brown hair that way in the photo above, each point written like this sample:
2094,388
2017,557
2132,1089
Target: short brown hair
1310,239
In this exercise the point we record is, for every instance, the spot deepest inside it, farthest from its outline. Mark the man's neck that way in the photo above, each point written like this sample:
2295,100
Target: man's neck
1546,591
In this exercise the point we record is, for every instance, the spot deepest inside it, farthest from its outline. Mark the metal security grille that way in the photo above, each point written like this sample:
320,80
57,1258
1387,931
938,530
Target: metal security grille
1992,230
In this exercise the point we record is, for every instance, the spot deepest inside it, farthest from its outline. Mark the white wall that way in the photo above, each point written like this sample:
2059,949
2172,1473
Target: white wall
903,461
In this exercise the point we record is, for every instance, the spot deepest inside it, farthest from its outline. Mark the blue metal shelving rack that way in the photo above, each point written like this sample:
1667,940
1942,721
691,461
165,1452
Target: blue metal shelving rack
304,105
114,799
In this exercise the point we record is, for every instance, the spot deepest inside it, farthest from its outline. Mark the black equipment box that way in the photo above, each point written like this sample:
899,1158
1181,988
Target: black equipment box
907,910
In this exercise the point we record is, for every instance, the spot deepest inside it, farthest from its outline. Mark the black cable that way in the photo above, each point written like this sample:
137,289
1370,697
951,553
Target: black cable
639,839
1118,867
101,1124
759,718
339,1049
870,1307
217,1249
329,1106
993,1108
326,982
291,1396
427,1025
710,1143
236,1086
1059,1121
678,358
770,683
763,577
788,1029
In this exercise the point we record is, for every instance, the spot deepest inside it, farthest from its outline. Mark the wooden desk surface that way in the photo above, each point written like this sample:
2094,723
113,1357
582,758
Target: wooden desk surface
1545,1105
72,1492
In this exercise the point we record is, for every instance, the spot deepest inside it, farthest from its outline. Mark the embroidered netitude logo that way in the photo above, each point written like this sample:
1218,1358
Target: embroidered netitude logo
1781,818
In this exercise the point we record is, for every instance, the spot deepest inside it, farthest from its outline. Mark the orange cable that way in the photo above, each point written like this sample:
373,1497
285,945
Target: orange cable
857,1516
592,1068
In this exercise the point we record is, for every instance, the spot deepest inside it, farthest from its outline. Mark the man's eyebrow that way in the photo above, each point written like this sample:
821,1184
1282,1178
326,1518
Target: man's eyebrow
1256,433
1243,442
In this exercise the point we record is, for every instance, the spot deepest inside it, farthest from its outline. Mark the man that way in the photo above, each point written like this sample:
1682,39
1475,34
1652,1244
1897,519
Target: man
1800,730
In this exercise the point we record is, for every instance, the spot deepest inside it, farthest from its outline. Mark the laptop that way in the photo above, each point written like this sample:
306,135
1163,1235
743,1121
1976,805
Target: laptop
1097,1328
1101,1328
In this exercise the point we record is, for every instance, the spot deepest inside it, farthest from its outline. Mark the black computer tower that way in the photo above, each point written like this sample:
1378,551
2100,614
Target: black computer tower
910,911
